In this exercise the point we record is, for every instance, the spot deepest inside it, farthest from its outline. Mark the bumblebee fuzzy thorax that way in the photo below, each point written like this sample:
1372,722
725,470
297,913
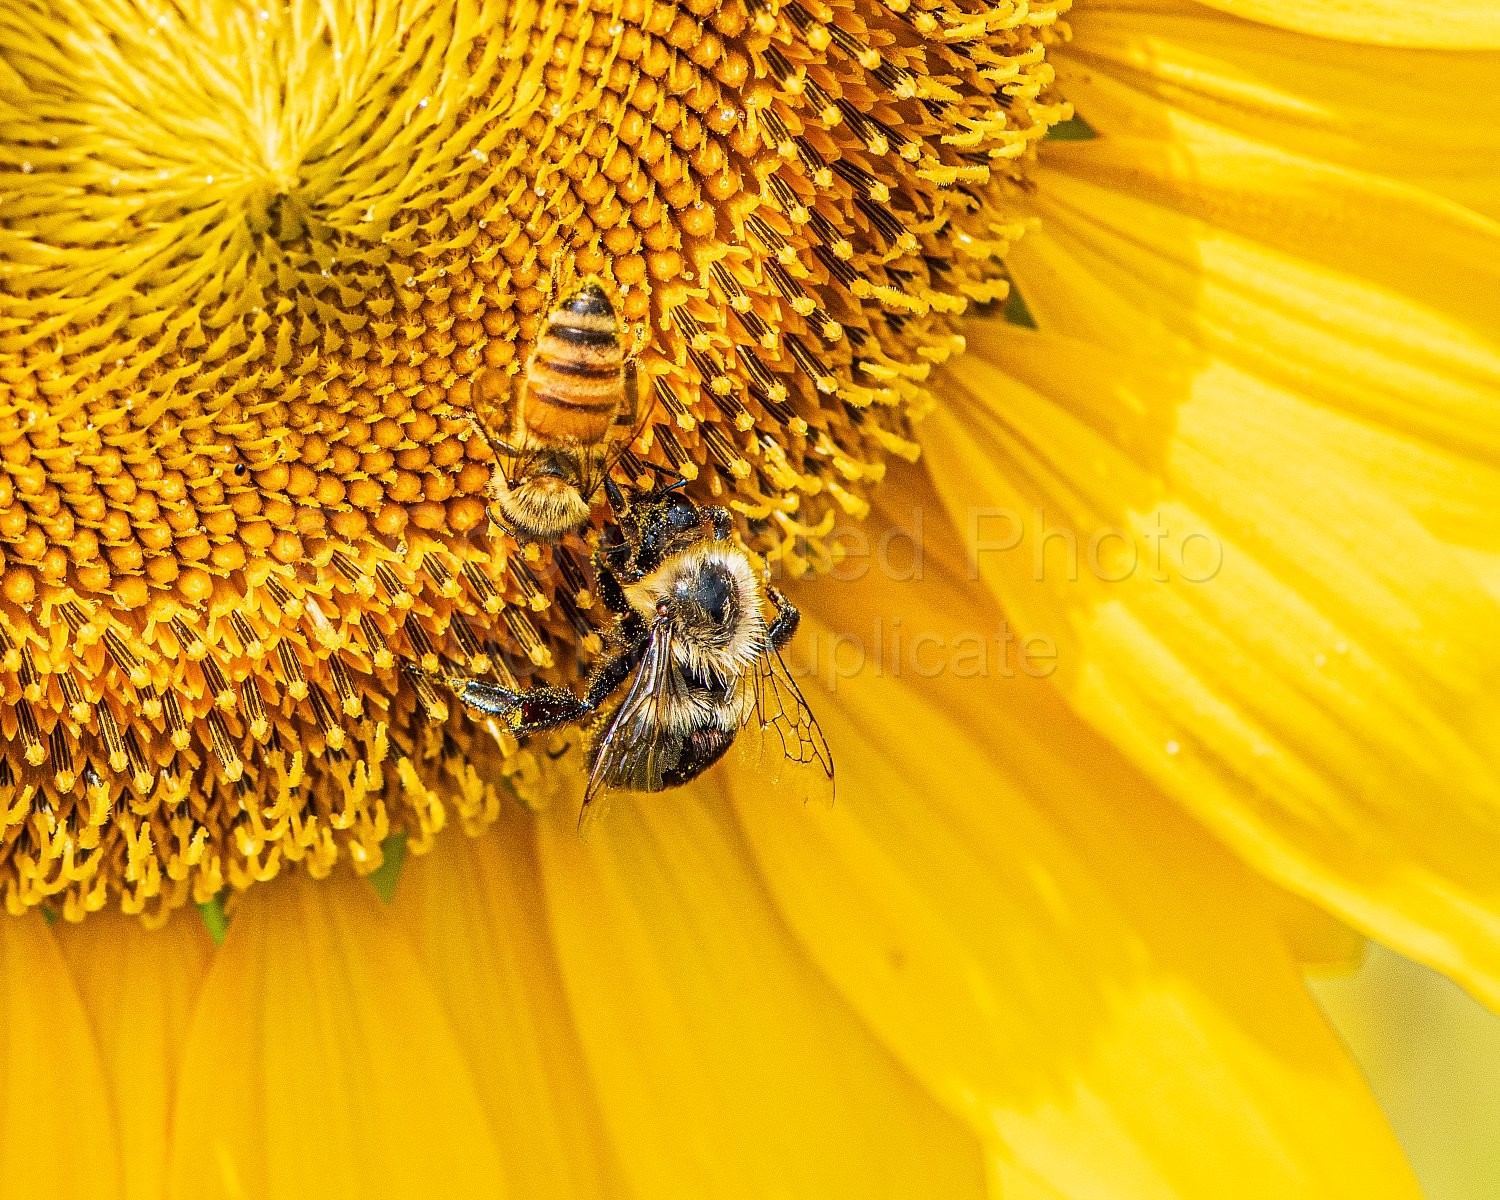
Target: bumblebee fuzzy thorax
711,597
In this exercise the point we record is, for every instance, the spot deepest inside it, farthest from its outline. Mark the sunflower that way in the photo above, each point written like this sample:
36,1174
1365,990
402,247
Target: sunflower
1167,669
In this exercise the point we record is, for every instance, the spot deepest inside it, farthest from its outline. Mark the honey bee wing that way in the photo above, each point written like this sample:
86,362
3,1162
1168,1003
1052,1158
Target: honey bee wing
496,416
632,752
629,424
495,403
787,724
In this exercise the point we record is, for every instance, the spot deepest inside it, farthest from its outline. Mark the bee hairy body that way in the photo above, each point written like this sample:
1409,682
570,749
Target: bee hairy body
562,418
693,642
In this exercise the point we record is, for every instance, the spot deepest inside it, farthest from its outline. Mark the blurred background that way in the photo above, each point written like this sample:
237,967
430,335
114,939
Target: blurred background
1432,1056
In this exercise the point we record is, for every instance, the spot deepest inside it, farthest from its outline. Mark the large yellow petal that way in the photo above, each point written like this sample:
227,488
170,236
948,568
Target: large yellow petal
473,908
1245,609
1165,68
1366,306
319,1063
140,987
1414,23
1322,944
726,1065
1064,958
57,1134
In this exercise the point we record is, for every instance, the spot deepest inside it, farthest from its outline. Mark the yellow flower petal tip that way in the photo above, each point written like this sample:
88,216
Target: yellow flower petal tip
1433,24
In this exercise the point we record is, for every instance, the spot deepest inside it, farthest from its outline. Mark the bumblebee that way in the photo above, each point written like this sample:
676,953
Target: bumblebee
692,638
575,394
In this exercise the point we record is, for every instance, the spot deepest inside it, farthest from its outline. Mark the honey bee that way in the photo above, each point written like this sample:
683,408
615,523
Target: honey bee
692,636
577,391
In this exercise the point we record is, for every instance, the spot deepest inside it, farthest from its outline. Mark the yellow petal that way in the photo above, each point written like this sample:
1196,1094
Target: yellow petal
319,1063
140,987
1341,294
1431,118
1041,936
1319,941
473,908
726,1065
1473,24
1245,610
57,1133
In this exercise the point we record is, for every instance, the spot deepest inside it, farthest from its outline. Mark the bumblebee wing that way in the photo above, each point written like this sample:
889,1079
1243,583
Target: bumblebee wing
788,731
637,747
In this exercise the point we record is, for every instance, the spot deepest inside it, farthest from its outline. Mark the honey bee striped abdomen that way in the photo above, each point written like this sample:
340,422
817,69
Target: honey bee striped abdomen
575,382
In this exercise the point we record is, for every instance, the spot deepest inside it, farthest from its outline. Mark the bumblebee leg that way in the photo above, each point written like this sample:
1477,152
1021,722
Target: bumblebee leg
610,674
545,708
615,496
783,626
525,712
480,696
488,699
676,477
614,556
720,522
648,553
631,629
611,592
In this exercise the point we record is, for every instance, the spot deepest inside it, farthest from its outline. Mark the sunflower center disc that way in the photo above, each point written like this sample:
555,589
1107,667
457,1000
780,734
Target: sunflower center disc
256,259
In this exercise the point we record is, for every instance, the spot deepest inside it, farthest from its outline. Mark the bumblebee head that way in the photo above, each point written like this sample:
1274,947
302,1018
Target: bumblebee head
710,597
660,523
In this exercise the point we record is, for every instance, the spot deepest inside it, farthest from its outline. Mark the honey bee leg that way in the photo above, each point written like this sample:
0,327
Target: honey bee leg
497,523
783,626
630,410
553,286
640,338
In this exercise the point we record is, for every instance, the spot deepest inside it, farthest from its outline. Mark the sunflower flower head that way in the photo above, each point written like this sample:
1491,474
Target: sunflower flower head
265,266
